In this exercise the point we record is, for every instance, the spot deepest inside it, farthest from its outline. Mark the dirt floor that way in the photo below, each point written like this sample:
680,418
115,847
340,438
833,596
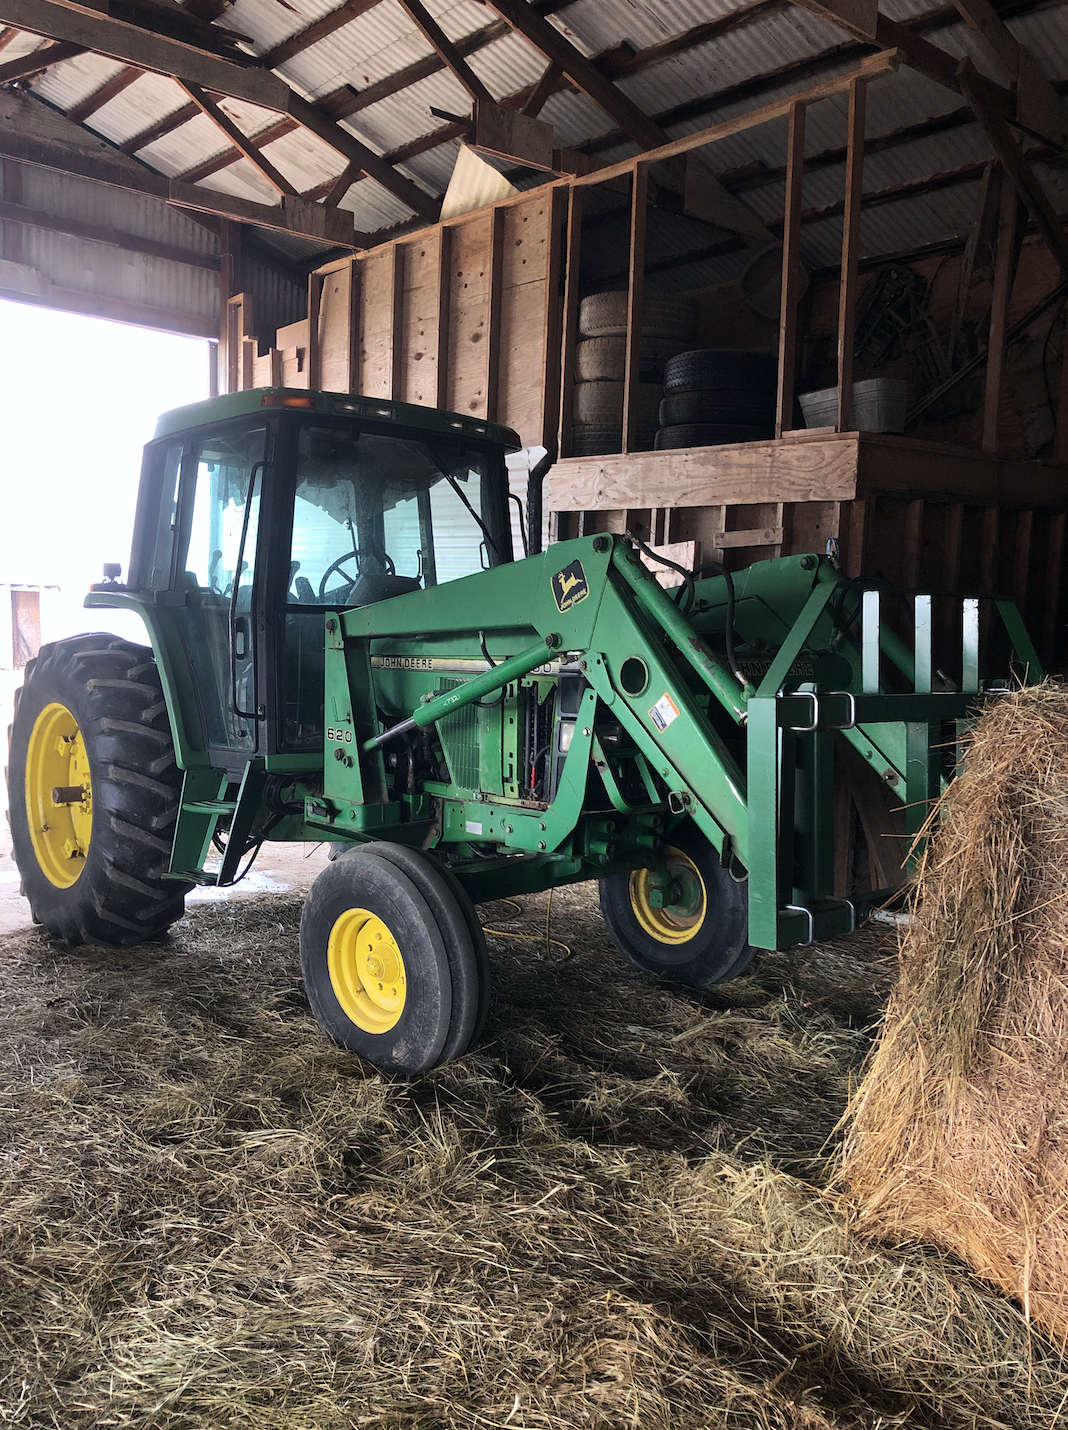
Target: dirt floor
610,1215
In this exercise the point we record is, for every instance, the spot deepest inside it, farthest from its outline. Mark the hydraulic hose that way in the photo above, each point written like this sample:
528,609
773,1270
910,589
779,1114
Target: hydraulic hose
688,579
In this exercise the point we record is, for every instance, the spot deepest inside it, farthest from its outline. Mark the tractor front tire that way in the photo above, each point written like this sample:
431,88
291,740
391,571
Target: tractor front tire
389,962
94,792
698,939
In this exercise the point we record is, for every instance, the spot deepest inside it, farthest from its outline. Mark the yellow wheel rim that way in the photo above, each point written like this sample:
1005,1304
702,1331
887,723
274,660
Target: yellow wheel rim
59,795
366,971
680,920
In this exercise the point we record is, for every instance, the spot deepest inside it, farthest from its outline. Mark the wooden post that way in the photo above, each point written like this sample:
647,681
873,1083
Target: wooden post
791,266
639,206
550,412
912,544
396,323
1004,273
315,293
441,376
1060,440
571,308
493,343
1054,560
847,293
856,536
229,284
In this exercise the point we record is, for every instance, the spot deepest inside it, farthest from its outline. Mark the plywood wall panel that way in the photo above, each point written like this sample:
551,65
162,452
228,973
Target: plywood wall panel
375,361
525,255
469,315
337,317
418,371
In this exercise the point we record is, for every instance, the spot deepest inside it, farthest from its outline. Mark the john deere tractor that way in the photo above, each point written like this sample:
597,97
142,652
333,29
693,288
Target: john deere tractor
344,647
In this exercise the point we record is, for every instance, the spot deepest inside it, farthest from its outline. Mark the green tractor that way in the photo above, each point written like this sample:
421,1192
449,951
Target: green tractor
344,647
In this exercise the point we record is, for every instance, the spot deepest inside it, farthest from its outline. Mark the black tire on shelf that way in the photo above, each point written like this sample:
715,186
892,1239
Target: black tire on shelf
747,409
92,716
711,369
603,315
605,359
709,434
699,940
461,931
595,441
600,404
376,970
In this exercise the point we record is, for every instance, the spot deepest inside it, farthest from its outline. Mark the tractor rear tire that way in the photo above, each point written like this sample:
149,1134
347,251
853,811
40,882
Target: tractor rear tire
699,940
378,974
91,716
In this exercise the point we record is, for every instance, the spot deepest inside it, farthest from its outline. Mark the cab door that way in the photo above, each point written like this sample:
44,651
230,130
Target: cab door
215,572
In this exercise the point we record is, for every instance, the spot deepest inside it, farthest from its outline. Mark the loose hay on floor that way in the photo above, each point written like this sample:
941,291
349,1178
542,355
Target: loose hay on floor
959,1133
610,1216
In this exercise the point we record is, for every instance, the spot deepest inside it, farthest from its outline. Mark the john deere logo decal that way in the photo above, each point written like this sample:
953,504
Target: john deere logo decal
570,586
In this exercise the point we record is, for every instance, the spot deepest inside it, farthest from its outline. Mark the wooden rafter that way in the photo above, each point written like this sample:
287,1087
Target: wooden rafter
318,30
61,146
37,60
104,94
447,51
183,61
1039,108
6,36
99,233
546,86
241,142
342,184
977,90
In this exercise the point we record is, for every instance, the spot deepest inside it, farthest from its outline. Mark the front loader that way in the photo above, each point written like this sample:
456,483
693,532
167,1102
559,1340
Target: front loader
344,648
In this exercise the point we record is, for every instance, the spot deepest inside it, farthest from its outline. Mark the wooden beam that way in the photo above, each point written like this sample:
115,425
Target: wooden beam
6,36
104,94
639,212
859,17
546,86
847,293
20,139
241,142
441,346
110,237
977,91
1004,273
589,79
396,323
570,319
447,51
1039,108
26,66
791,270
312,34
342,184
493,319
186,63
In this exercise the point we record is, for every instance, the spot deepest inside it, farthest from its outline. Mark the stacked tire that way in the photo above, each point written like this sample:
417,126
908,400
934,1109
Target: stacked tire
713,396
668,324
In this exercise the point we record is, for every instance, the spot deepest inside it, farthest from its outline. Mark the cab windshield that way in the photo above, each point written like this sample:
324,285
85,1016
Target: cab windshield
380,516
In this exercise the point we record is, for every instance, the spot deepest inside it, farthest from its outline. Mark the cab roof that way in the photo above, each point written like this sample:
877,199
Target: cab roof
332,404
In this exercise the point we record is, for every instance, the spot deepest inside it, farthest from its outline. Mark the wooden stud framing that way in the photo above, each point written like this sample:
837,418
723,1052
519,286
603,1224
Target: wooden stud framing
550,418
315,293
791,270
493,323
912,544
1004,273
441,374
396,327
1053,623
639,209
1021,556
847,297
571,310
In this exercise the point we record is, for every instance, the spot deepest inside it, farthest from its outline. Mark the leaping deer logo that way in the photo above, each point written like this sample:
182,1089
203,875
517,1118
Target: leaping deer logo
570,586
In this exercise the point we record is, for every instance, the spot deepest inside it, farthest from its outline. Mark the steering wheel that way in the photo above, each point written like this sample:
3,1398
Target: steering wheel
356,556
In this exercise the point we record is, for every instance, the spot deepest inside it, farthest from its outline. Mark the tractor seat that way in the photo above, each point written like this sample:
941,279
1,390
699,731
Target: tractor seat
379,586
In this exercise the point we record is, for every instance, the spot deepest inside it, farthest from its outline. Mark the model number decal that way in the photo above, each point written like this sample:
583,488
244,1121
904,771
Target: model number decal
335,732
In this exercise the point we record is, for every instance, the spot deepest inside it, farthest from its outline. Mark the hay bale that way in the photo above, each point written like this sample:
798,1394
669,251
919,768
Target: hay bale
958,1134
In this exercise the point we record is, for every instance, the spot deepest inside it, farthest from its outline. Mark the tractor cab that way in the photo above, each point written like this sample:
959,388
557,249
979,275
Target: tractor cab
261,511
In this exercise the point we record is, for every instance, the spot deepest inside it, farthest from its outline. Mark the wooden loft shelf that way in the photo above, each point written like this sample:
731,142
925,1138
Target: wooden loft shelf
838,467
916,514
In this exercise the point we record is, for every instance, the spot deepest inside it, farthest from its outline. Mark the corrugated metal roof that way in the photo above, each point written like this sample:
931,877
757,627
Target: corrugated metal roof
384,41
